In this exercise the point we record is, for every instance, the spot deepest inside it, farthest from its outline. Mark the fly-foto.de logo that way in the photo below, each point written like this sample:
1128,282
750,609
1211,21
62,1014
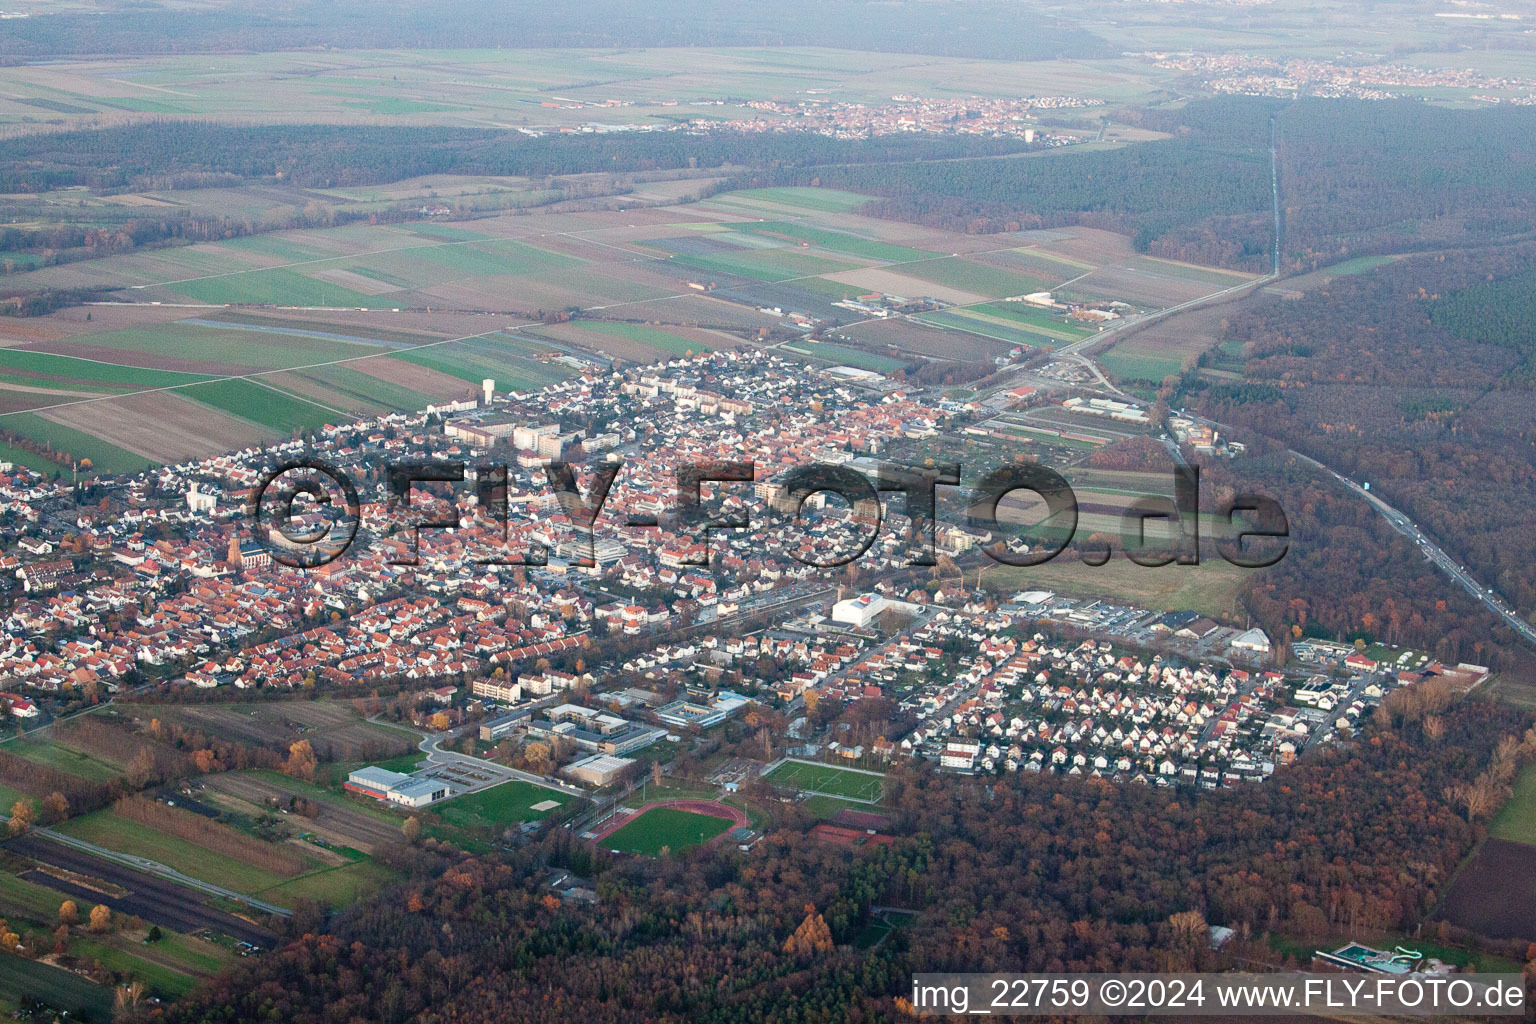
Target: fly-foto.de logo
308,512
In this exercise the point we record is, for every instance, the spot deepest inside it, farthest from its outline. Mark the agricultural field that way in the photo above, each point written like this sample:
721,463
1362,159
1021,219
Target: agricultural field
259,402
1210,588
64,758
1494,891
342,821
666,342
919,338
55,987
800,200
827,780
335,730
475,87
1168,346
1516,820
502,357
843,355
835,241
770,265
665,828
974,276
68,446
111,829
1011,323
307,327
500,806
332,886
278,872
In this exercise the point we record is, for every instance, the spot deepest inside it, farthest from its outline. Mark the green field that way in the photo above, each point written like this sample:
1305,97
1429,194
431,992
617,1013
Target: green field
177,961
1212,276
105,828
1210,588
653,337
820,200
33,901
278,286
500,806
77,444
827,779
765,264
994,327
836,241
83,374
970,276
161,979
1358,265
54,986
1516,820
500,357
842,355
258,403
1027,318
345,381
1124,362
277,246
65,759
331,887
236,348
665,828
22,457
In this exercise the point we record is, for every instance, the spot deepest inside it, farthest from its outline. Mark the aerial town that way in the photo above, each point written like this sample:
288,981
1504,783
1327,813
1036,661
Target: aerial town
527,631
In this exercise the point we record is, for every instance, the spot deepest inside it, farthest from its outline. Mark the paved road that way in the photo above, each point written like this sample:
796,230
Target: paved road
453,767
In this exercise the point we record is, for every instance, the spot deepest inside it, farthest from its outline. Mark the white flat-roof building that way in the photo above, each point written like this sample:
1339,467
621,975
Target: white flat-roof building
859,611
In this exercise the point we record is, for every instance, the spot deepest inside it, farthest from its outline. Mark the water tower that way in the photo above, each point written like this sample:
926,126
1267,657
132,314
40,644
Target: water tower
487,389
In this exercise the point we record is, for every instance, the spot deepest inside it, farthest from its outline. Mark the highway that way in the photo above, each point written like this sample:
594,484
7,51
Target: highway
1432,551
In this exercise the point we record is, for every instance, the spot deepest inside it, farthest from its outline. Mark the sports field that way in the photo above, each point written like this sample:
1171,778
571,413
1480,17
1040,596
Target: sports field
665,828
500,806
828,780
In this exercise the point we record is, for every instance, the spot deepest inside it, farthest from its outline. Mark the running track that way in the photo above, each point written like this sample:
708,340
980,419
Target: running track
707,807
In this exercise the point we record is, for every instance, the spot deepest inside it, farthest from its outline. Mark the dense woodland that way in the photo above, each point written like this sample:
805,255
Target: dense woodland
1203,195
1356,178
1025,873
1362,177
988,28
1453,445
155,155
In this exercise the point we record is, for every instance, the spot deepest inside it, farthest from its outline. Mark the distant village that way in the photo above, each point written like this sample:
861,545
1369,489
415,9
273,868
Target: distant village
840,119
